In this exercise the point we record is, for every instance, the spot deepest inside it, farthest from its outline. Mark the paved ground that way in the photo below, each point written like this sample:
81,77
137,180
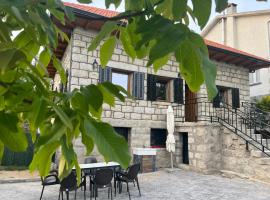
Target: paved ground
178,185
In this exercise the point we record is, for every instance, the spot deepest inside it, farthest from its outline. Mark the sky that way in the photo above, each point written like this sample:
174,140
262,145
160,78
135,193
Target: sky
243,6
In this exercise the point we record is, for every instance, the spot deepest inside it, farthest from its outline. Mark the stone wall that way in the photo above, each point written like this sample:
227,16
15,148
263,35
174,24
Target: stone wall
142,115
204,141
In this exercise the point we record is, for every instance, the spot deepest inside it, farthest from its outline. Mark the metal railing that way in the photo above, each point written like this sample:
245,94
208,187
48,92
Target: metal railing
254,132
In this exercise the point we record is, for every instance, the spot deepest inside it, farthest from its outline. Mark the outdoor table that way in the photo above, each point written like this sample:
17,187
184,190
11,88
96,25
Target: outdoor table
100,165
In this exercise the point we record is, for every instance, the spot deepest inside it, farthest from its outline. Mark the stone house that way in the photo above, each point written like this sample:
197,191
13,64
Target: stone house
247,31
203,143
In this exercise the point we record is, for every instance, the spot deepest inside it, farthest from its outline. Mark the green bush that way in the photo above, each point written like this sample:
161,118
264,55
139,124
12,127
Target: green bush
264,104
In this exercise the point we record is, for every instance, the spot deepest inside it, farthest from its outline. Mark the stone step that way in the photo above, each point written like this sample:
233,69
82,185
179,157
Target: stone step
258,153
264,161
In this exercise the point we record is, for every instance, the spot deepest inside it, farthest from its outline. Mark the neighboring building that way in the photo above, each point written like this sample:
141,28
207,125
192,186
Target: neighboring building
246,31
202,141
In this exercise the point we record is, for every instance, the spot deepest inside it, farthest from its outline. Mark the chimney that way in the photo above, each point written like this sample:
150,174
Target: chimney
231,9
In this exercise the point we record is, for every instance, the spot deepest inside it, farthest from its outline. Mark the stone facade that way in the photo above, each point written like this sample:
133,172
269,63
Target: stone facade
208,143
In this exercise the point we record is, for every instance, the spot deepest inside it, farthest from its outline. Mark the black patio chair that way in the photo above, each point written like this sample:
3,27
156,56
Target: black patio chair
69,184
128,176
102,179
51,179
88,172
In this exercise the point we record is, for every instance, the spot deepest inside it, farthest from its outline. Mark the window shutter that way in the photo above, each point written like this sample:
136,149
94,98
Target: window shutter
138,85
216,100
151,87
178,90
105,74
235,98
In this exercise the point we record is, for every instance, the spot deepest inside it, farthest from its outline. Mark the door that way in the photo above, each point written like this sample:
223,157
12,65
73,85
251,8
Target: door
190,105
185,149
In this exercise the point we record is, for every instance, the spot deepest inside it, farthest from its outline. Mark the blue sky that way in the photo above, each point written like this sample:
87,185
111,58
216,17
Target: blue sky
243,6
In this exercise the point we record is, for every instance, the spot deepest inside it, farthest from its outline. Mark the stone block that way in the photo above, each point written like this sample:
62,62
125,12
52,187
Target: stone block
118,115
79,73
79,43
85,81
79,57
135,116
139,109
127,109
86,66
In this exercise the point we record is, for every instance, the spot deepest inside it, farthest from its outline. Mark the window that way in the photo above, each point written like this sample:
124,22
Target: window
158,138
123,131
254,77
159,88
227,96
122,79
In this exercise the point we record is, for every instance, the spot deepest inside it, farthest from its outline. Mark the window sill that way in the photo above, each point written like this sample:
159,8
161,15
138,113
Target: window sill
253,84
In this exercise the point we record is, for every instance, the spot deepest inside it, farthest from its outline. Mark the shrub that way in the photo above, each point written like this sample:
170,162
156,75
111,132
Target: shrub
264,104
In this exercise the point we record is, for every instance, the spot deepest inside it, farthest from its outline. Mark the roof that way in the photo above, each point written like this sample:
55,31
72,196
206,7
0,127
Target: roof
91,9
237,14
86,18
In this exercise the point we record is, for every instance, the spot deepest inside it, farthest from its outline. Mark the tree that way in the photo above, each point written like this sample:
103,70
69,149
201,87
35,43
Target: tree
156,29
264,104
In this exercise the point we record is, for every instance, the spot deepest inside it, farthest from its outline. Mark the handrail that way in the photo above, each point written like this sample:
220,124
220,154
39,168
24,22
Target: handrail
231,118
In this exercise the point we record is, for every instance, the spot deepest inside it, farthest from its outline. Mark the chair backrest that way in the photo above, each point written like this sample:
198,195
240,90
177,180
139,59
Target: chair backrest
69,182
133,171
90,160
103,176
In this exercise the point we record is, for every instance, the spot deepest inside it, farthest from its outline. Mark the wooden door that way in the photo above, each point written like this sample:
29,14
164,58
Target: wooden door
190,105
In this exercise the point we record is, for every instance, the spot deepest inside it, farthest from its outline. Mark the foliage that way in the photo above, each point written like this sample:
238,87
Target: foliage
264,103
156,29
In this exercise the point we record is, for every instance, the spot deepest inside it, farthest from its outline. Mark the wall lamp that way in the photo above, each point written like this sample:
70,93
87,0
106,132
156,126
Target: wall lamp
95,64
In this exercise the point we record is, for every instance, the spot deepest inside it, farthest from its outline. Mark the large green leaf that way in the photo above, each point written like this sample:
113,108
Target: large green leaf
63,116
86,140
160,62
210,71
37,115
78,102
190,67
44,59
11,134
127,43
221,5
42,158
110,144
115,90
202,11
179,8
93,96
57,64
168,43
107,28
106,51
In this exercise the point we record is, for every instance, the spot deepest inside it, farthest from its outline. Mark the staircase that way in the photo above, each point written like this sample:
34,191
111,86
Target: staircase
246,122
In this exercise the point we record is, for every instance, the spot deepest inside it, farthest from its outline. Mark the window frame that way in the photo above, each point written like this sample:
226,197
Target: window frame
129,77
168,86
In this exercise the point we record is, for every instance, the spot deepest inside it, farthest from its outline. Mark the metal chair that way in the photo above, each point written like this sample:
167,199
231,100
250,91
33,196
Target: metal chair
88,172
128,176
102,179
69,184
51,179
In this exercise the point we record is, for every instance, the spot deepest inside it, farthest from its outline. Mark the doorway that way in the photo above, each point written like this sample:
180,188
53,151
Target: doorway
190,105
185,148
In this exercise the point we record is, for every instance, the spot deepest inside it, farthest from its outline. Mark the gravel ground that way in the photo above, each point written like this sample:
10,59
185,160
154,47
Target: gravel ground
178,185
